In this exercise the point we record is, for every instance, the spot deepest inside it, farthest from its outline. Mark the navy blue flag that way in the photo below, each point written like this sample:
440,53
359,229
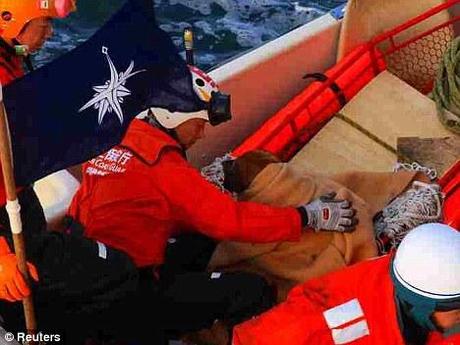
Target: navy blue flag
81,104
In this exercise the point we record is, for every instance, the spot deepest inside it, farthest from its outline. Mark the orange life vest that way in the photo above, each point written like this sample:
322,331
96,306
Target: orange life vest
353,306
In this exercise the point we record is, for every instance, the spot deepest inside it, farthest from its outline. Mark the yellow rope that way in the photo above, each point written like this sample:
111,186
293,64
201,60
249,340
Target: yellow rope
446,91
373,137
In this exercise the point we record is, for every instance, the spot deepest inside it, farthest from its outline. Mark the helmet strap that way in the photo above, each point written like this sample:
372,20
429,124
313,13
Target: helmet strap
23,50
421,314
16,51
5,45
20,49
417,307
412,332
28,63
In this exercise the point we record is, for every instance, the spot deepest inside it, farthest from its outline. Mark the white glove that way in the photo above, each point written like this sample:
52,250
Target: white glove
329,214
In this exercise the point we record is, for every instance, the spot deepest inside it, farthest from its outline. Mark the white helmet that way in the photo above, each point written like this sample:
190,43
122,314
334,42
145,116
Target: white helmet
427,261
426,272
206,89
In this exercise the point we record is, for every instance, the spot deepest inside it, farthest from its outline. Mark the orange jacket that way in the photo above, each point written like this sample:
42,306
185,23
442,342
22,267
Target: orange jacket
353,306
142,192
437,339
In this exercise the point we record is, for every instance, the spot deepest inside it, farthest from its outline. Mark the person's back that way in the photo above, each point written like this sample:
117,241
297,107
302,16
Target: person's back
387,301
151,193
310,314
117,194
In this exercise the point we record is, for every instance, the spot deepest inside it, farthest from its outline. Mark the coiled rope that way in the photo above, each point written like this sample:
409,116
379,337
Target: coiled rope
446,91
421,204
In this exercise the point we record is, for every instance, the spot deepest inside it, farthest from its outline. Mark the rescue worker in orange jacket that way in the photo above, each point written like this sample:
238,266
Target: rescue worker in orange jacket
84,286
24,27
411,298
143,192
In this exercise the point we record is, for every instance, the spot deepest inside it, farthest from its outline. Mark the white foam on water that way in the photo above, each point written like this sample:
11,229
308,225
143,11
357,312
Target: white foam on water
251,21
206,27
223,27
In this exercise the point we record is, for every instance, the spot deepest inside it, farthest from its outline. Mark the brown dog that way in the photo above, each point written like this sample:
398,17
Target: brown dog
261,177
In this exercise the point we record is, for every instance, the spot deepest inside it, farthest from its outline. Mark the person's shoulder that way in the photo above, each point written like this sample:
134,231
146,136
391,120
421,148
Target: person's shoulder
347,278
148,143
283,324
436,338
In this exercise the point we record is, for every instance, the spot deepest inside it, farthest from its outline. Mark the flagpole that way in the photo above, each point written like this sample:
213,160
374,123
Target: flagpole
13,208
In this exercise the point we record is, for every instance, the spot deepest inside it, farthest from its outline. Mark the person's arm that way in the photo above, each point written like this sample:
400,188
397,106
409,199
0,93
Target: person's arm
13,286
197,203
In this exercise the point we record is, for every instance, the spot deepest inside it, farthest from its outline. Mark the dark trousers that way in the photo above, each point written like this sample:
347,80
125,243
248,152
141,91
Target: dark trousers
89,290
192,299
85,290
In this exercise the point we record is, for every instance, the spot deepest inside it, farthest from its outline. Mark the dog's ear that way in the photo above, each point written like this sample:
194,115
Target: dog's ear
232,178
240,172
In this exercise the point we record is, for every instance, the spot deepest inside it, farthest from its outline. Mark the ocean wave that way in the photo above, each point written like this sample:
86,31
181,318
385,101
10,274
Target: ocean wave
223,28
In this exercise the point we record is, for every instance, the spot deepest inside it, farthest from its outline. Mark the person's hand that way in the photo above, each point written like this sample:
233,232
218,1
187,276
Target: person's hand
329,214
13,286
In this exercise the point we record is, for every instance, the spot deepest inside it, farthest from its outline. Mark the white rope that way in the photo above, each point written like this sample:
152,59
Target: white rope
14,212
430,172
419,205
214,172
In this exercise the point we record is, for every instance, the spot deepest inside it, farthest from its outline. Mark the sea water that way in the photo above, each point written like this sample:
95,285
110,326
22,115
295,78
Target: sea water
223,28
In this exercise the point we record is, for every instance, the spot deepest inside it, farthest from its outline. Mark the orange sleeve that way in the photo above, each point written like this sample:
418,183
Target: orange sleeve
198,203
